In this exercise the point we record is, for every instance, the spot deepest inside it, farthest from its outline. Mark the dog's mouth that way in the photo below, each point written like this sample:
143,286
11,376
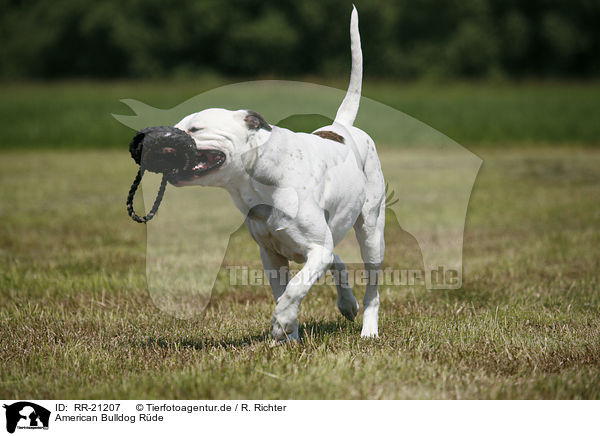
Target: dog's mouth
205,161
208,160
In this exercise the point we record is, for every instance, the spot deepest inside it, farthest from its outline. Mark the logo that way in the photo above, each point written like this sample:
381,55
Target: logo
26,415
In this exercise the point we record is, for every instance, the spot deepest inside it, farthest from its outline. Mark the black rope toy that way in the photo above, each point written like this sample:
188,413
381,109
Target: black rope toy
163,150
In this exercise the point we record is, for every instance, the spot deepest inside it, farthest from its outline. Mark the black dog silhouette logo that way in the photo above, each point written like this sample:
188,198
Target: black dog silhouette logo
26,415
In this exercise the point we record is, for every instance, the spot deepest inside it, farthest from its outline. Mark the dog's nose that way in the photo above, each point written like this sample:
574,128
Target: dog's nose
168,150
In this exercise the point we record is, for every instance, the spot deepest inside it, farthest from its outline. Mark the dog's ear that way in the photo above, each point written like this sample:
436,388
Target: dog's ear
255,121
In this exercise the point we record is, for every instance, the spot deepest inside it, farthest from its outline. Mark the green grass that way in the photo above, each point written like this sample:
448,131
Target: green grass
78,115
76,320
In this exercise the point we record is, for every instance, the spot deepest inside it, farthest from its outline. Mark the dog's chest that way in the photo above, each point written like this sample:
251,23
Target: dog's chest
275,231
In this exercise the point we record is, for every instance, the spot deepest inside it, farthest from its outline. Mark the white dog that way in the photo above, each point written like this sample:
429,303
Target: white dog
301,193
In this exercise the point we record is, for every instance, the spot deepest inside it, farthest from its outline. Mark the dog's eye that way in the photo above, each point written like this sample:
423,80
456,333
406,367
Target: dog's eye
194,129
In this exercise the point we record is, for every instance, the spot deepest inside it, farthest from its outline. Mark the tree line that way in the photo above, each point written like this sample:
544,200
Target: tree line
401,38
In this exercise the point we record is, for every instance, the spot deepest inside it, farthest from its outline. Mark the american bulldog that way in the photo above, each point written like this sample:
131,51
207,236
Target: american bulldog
301,194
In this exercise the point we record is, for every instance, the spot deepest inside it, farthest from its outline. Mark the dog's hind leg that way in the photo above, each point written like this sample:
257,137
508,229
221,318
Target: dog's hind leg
369,233
346,301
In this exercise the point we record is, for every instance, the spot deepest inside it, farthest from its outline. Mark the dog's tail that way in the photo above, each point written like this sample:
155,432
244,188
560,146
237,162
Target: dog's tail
349,107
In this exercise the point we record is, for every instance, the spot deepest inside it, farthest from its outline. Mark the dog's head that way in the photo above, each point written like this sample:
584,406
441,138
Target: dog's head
222,138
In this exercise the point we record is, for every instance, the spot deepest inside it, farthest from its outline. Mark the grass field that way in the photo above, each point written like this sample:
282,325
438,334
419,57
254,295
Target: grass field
76,320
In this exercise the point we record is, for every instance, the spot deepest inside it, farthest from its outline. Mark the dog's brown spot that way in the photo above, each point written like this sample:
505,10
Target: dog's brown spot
328,134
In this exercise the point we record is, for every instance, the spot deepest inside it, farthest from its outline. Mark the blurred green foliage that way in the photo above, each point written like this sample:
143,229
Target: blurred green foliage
423,38
73,115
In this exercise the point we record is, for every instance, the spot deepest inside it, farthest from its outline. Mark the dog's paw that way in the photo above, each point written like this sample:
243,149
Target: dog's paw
369,329
369,334
283,331
348,308
292,338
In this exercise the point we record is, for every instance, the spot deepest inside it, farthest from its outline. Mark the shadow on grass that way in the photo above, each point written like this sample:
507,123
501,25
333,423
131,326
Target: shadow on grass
313,329
320,329
205,343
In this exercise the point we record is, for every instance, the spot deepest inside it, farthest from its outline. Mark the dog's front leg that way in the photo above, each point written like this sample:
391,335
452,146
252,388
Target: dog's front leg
285,318
277,270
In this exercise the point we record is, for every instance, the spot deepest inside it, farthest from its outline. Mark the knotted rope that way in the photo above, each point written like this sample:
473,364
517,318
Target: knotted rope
131,195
